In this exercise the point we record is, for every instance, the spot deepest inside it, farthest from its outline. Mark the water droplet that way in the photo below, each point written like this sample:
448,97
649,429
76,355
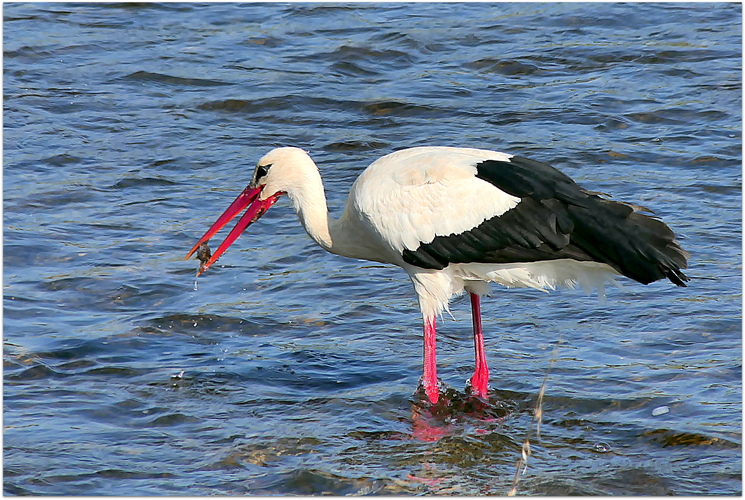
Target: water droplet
196,287
660,410
601,447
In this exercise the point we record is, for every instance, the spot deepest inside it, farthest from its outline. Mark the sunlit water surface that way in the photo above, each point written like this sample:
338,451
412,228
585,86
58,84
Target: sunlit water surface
129,128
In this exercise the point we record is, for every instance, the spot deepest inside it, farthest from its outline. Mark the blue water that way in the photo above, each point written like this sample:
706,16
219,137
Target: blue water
129,128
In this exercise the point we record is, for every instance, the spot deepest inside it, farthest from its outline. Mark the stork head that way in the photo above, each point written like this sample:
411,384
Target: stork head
281,171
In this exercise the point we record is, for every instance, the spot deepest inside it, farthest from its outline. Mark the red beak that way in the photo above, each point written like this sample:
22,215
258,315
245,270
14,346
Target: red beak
257,208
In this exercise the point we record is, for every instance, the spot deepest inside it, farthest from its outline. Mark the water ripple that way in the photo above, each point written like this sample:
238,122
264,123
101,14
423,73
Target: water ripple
130,127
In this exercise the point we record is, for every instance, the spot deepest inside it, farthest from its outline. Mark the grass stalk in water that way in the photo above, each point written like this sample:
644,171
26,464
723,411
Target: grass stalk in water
522,463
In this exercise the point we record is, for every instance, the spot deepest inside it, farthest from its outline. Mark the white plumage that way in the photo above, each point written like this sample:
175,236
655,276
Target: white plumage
456,219
407,205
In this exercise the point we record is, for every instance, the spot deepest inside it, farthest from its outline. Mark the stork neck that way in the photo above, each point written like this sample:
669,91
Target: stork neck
311,208
338,236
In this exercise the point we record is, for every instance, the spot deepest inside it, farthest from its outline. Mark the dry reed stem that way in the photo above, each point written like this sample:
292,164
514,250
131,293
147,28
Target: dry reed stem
522,462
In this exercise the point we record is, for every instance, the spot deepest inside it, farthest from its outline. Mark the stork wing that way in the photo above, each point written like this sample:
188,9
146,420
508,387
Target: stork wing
557,219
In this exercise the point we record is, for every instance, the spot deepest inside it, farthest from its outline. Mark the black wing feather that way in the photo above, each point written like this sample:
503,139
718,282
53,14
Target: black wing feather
557,219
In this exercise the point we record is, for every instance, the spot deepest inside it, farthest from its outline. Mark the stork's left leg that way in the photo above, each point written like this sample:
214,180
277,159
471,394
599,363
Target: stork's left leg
429,379
480,380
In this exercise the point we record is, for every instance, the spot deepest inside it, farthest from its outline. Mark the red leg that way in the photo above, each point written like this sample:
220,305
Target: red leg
429,379
480,379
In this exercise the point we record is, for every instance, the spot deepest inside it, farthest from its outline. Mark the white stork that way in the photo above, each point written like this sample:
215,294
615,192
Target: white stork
457,219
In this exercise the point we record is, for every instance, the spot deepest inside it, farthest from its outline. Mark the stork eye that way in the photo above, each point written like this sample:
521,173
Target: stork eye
262,170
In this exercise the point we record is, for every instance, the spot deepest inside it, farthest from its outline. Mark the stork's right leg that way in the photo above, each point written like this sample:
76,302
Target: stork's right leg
479,383
429,379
